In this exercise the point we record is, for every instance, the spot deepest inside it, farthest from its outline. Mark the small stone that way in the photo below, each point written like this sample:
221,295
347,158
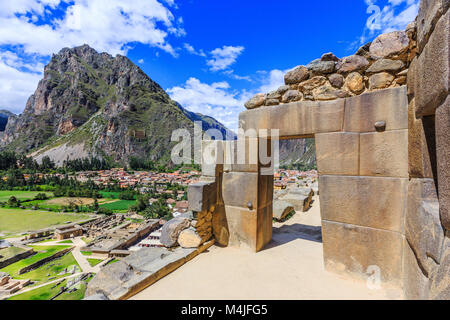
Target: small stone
380,126
400,80
281,209
329,57
403,73
312,83
386,65
256,101
291,96
189,238
336,80
389,44
172,229
282,90
380,81
321,67
327,92
274,95
355,82
351,64
272,102
296,75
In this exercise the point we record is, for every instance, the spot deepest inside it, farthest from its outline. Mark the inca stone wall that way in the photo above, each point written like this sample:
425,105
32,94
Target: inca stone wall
427,224
383,156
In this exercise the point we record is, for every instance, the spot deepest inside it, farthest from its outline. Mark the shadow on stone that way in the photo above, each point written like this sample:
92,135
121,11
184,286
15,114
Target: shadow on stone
288,233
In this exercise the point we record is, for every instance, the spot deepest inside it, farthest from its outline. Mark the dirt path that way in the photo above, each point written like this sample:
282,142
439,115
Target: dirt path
291,267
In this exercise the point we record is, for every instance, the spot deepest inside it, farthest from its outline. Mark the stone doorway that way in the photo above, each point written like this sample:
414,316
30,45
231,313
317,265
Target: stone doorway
362,159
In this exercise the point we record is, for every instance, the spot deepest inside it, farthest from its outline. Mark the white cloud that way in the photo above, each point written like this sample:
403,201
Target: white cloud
189,48
272,80
224,57
30,27
141,61
218,100
16,85
394,15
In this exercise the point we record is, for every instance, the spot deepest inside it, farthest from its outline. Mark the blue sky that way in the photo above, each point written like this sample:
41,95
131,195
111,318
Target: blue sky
211,56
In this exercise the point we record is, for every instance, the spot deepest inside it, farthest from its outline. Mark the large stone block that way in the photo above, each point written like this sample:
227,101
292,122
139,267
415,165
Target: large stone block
220,226
389,105
423,228
440,280
202,196
241,155
240,189
429,13
384,154
433,70
212,157
416,285
264,227
242,225
443,160
421,145
265,190
353,249
337,153
297,119
411,78
365,201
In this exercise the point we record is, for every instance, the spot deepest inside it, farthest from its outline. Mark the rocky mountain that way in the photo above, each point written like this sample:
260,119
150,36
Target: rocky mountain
4,116
94,104
298,153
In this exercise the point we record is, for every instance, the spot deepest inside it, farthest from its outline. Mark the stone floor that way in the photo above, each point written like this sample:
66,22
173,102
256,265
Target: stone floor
291,267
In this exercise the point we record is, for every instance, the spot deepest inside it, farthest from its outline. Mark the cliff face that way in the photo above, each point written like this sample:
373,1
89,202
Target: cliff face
298,152
97,105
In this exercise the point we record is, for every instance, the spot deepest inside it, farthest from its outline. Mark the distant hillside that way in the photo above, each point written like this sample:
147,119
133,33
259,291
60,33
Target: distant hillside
298,153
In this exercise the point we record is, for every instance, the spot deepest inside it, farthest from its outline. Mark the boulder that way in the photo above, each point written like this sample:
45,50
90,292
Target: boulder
389,44
386,65
380,81
281,90
291,96
256,101
296,75
189,238
272,102
351,64
321,67
355,82
312,83
327,92
281,209
336,80
329,57
300,198
172,229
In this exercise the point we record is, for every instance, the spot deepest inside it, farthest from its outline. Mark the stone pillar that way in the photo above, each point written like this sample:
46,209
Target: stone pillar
247,196
363,178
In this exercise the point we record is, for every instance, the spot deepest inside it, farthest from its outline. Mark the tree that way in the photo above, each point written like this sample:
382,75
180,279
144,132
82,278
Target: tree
13,202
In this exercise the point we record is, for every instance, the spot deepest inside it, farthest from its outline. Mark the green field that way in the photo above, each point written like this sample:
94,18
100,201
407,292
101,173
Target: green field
110,195
21,195
53,269
94,262
17,220
42,252
121,205
10,252
49,291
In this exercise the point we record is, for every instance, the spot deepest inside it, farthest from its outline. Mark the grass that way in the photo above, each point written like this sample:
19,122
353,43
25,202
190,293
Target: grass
86,253
53,269
110,195
119,205
113,261
42,252
21,195
10,252
66,241
17,220
94,262
49,291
